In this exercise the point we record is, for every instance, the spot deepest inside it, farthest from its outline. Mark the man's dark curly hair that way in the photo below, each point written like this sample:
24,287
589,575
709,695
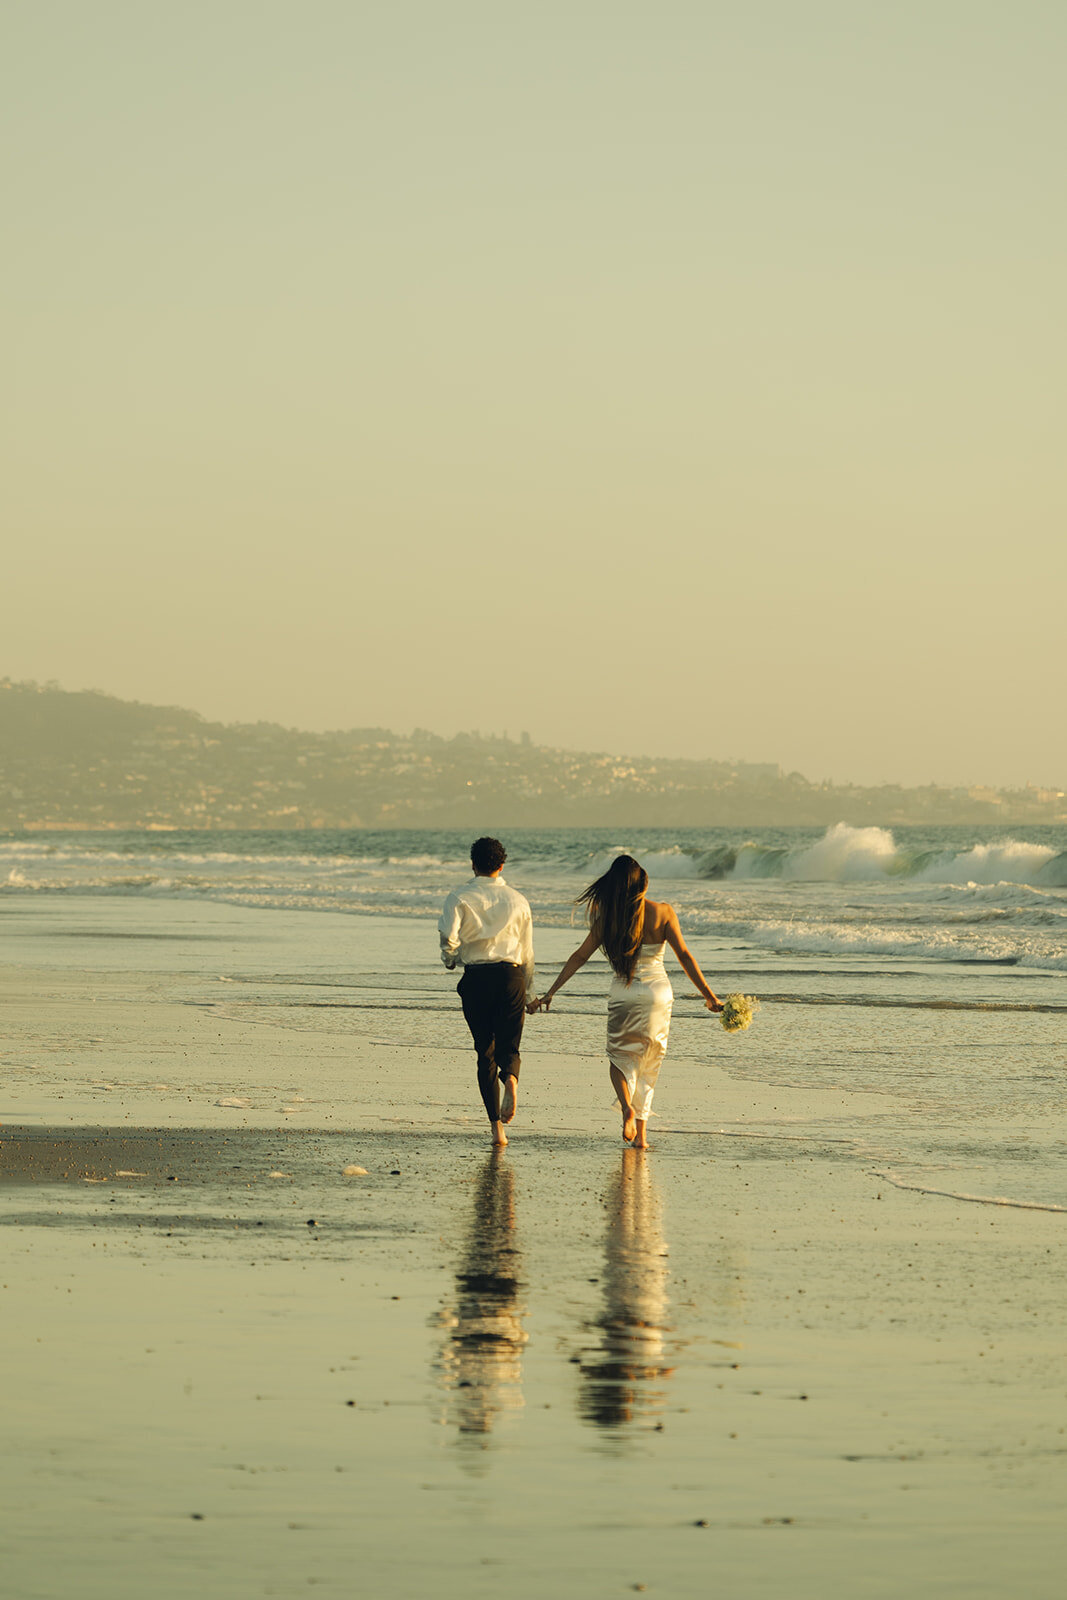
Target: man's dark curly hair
487,856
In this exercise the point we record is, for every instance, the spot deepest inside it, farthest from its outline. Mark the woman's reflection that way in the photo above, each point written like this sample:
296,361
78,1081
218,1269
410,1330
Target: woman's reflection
619,1377
481,1362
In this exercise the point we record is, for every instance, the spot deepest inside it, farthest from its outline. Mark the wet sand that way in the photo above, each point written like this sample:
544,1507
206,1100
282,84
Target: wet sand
568,1368
745,1363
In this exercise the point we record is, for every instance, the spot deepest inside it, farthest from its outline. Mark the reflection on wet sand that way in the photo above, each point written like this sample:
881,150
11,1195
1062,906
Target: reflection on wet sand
619,1378
480,1364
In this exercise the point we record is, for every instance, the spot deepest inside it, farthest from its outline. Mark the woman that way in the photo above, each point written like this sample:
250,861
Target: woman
633,932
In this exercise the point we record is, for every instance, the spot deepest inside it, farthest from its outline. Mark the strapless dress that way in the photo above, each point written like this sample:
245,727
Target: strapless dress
639,1022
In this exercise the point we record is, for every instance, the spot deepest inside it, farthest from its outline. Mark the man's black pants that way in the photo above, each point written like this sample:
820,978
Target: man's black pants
494,1004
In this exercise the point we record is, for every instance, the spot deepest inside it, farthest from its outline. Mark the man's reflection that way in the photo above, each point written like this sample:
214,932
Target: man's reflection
481,1362
619,1377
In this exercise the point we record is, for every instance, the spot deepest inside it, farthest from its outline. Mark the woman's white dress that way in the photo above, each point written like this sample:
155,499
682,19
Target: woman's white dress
639,1021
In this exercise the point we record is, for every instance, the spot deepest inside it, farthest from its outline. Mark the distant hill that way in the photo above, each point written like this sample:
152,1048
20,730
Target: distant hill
88,760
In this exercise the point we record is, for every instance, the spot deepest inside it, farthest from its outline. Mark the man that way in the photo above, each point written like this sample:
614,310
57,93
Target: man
486,928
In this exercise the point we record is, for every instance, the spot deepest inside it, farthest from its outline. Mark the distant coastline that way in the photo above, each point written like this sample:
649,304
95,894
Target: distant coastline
89,760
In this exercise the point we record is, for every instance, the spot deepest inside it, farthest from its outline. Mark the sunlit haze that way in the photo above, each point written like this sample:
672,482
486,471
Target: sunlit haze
680,379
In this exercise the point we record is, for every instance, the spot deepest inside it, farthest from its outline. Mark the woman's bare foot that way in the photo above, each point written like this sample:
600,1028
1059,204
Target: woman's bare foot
511,1098
640,1139
622,1092
500,1138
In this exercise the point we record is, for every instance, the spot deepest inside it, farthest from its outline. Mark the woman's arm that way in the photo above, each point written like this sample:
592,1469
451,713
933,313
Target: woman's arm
572,964
689,965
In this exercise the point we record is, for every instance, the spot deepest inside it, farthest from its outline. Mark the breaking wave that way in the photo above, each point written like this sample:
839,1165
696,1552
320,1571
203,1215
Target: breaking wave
848,854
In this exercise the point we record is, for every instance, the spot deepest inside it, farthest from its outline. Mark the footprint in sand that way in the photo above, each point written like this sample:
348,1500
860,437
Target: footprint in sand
239,1101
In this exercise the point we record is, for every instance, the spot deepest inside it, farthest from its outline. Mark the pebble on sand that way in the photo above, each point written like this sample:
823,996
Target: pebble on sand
354,1172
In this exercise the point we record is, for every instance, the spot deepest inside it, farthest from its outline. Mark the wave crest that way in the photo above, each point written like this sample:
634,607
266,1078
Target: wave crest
847,854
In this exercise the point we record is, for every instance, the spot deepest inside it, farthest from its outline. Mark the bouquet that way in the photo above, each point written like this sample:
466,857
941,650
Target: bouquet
737,1012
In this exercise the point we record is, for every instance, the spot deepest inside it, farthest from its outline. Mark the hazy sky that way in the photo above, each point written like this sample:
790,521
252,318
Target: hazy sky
681,378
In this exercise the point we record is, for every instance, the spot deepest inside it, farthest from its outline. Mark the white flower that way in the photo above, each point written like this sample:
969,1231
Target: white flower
737,1012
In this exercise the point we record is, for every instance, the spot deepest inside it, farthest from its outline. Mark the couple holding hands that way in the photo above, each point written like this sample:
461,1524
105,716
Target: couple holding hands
487,929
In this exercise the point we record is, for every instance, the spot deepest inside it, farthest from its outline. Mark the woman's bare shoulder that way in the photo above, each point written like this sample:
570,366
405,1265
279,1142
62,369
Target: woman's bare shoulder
659,916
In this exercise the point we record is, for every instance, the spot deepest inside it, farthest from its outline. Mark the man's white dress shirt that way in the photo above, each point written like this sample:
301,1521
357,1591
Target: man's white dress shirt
487,921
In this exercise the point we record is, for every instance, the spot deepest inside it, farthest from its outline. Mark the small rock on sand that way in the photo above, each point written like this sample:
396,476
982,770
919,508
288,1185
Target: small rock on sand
355,1172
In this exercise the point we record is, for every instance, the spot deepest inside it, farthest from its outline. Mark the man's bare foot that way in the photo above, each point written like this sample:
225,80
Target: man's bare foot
629,1123
640,1139
500,1138
511,1098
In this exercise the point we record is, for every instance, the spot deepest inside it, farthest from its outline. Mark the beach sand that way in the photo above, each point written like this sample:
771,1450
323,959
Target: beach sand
746,1363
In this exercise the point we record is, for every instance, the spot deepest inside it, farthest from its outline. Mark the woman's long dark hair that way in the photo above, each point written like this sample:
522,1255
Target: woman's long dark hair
616,912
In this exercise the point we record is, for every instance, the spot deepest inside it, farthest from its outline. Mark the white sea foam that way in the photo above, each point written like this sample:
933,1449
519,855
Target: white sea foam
844,855
421,861
1001,892
972,1199
1007,861
968,942
675,863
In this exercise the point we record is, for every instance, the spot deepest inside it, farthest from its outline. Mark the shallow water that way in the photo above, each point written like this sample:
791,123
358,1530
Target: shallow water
967,1065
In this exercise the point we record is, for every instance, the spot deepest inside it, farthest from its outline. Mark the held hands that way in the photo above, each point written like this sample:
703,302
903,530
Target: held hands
542,1003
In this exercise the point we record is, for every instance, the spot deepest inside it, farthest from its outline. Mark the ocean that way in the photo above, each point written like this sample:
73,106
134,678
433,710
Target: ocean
925,966
856,899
